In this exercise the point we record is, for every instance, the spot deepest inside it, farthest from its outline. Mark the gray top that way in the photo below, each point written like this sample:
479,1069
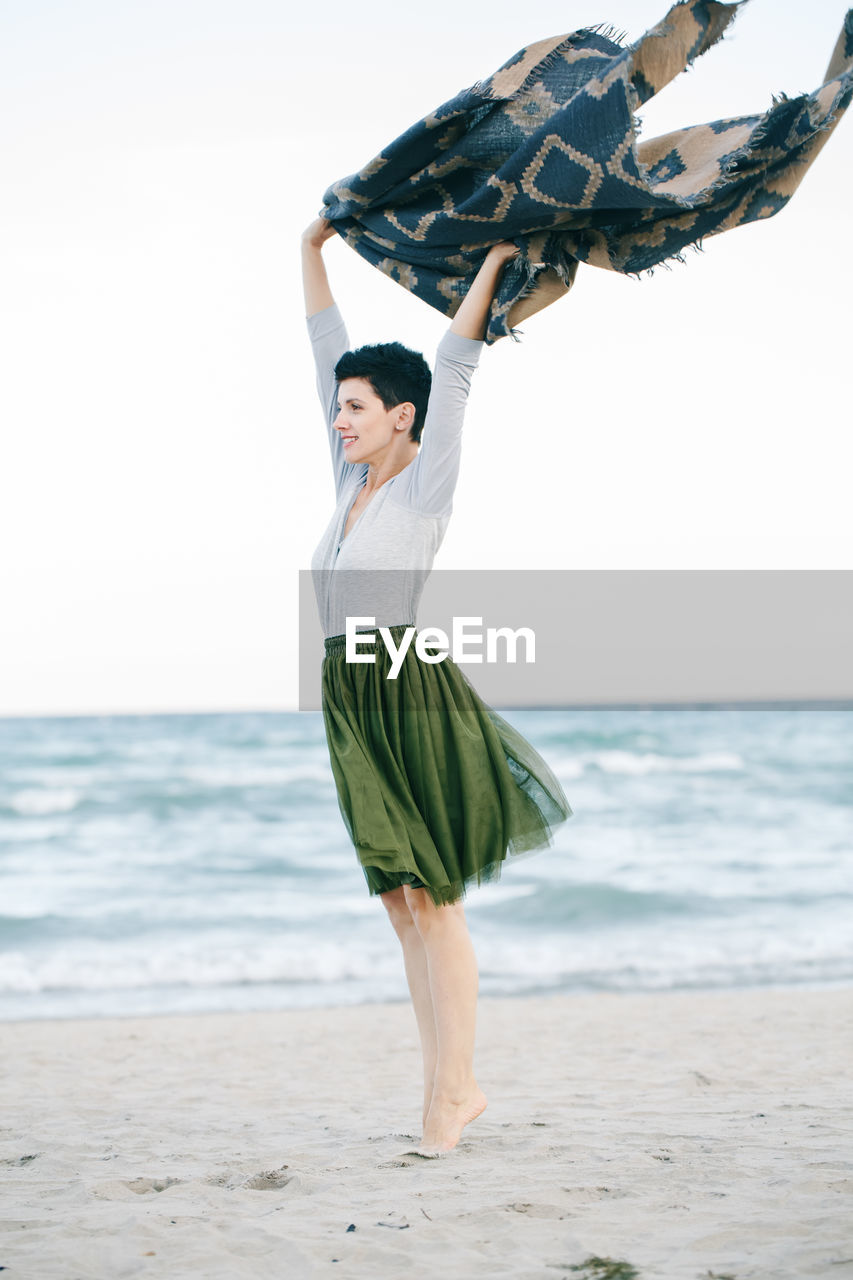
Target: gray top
403,524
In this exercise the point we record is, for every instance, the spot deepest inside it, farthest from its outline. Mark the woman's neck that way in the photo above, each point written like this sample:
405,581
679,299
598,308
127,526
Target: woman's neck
378,473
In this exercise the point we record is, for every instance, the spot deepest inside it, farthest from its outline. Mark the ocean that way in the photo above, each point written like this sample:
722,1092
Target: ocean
176,863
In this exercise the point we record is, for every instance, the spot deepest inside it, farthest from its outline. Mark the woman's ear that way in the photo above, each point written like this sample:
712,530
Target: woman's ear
405,415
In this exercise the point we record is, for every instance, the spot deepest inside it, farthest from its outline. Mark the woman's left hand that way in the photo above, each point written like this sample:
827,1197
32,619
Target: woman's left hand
503,252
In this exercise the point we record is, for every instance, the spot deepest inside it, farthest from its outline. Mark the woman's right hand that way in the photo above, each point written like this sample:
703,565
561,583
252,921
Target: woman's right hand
318,233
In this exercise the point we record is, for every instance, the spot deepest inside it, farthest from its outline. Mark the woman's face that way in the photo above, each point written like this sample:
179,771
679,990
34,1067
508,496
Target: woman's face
367,429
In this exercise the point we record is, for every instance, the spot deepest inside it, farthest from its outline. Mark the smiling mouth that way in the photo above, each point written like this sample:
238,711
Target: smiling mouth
348,439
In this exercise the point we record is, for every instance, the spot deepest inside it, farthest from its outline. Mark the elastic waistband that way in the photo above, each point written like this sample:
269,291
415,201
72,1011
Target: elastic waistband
337,644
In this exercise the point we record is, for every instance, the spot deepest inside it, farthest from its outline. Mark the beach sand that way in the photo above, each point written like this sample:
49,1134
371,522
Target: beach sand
692,1135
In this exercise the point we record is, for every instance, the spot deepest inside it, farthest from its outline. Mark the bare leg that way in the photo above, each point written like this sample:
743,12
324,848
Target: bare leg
453,982
417,976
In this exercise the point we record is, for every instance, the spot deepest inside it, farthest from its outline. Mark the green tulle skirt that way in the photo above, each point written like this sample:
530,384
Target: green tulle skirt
434,787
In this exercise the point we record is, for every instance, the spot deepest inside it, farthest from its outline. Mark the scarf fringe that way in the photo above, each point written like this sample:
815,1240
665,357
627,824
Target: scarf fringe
607,32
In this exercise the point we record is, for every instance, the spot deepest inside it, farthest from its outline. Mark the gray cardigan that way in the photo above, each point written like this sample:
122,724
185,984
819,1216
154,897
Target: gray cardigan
380,568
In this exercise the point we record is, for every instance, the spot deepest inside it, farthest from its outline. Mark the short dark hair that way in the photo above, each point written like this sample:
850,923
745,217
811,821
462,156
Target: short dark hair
396,375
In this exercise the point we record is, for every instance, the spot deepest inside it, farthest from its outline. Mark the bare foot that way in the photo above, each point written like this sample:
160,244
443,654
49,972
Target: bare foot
448,1116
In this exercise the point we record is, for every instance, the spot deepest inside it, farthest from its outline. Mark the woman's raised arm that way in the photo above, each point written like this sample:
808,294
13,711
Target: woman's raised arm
315,282
471,318
328,335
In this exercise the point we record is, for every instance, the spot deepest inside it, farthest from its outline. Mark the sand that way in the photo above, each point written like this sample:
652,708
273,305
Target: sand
689,1135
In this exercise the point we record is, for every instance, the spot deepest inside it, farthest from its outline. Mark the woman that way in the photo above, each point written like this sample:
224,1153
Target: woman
434,787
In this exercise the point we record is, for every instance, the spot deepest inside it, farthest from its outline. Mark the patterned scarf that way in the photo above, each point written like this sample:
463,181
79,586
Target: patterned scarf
545,152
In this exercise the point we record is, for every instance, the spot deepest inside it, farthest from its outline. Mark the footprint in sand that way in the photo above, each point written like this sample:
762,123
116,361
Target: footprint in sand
536,1210
143,1185
269,1180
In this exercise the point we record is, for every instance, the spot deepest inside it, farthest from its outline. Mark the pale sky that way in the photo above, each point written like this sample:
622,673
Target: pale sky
164,471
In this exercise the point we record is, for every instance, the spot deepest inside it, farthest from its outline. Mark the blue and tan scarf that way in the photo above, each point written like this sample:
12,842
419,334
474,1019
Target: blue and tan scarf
545,152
